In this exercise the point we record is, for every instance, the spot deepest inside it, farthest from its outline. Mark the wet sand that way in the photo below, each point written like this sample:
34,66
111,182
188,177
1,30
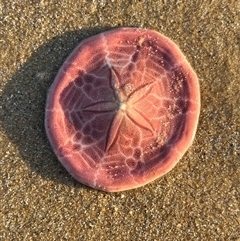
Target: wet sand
197,200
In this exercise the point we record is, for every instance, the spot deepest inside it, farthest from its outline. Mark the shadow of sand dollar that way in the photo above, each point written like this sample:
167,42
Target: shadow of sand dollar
23,104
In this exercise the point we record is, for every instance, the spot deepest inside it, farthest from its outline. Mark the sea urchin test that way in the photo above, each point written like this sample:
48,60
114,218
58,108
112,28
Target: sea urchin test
123,109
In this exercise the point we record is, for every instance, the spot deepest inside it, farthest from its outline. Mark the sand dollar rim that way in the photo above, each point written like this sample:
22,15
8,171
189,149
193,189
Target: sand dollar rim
123,109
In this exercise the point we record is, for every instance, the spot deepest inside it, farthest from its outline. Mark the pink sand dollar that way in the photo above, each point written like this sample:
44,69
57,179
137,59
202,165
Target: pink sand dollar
123,109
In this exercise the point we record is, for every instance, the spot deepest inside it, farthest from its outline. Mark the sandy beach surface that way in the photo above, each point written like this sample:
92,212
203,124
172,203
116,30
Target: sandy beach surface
198,200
